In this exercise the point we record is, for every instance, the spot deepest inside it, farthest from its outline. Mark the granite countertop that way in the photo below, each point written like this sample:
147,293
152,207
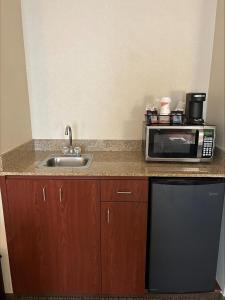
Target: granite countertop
27,161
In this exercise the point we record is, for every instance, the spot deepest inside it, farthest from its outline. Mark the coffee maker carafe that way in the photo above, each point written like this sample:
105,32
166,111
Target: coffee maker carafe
194,108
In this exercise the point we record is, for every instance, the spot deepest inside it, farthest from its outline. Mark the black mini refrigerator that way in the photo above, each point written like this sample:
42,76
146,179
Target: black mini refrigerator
184,232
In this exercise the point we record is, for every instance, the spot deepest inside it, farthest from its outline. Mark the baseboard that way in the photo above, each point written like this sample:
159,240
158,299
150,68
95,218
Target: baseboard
10,297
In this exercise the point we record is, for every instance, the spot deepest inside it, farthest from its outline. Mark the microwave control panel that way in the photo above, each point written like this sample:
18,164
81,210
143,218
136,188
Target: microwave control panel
207,149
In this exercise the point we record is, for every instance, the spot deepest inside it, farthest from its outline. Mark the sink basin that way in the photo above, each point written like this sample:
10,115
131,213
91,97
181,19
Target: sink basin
83,161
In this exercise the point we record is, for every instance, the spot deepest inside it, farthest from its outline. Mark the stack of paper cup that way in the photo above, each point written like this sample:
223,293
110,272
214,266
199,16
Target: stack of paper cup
165,106
165,110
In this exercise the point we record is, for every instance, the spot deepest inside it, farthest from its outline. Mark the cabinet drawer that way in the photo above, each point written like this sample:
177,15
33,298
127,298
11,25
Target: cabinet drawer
124,190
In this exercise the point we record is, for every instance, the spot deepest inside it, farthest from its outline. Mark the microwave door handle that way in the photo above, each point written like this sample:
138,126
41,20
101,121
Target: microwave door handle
200,143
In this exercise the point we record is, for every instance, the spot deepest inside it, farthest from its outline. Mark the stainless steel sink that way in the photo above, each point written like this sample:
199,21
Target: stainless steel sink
82,161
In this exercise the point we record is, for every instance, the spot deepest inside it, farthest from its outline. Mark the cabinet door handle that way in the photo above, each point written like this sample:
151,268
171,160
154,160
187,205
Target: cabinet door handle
60,194
124,192
44,193
108,216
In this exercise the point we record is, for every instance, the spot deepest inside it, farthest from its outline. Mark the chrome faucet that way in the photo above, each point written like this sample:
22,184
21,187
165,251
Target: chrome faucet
76,151
68,131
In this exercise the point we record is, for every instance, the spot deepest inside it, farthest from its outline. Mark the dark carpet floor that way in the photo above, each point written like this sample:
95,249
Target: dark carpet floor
203,296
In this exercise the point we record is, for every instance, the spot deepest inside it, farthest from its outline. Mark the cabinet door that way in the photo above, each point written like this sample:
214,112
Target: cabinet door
28,236
54,236
123,247
77,236
2,292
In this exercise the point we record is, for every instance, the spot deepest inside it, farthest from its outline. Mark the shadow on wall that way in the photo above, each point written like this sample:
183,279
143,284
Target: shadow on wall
138,111
137,114
203,52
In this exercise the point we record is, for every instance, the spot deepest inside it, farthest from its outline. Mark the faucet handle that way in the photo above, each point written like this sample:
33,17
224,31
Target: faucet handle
77,151
65,150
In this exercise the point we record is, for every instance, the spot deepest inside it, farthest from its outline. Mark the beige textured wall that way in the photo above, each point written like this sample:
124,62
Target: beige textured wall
216,98
15,126
95,63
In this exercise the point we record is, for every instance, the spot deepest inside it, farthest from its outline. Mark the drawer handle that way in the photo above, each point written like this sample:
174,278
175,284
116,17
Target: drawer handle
125,192
108,215
44,193
60,195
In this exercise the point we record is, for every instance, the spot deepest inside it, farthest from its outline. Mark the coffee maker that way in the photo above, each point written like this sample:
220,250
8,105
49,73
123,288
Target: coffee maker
194,108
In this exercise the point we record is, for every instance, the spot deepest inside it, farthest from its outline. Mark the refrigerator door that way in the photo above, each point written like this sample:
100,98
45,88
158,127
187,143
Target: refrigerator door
185,221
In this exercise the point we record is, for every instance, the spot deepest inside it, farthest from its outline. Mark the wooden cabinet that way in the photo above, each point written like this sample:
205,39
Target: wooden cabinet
2,292
77,228
123,236
123,247
54,236
28,228
64,240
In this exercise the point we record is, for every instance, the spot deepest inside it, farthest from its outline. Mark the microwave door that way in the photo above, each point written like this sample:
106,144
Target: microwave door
173,143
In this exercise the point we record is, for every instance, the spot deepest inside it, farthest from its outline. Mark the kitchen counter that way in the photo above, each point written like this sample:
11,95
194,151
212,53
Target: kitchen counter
27,162
59,210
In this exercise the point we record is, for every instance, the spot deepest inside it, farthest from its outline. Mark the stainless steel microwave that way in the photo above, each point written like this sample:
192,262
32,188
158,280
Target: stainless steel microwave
179,143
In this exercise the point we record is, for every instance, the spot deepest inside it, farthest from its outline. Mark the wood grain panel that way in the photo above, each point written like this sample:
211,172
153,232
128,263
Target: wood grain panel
53,239
77,233
123,247
53,235
124,190
2,292
27,236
